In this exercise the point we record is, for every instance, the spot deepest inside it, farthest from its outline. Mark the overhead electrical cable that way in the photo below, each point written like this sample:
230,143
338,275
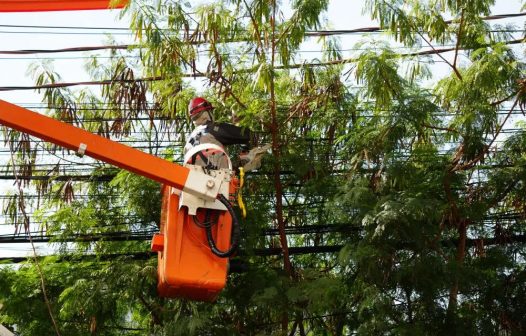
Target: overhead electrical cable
127,46
308,33
64,27
266,252
65,50
203,75
147,255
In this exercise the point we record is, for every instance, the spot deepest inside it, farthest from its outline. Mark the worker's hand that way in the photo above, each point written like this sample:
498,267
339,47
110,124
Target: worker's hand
252,159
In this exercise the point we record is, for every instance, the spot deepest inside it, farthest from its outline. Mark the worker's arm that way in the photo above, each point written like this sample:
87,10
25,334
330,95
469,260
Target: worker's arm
228,134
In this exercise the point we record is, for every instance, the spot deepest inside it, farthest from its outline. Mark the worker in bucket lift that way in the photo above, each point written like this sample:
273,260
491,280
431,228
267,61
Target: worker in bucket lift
205,145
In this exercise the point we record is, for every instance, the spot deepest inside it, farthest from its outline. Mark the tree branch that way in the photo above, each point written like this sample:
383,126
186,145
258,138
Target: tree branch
457,46
479,157
442,57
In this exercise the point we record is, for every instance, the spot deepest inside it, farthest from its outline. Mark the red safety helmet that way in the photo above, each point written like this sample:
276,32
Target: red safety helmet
198,105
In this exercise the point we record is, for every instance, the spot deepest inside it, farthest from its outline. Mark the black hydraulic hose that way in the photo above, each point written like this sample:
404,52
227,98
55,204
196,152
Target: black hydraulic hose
235,231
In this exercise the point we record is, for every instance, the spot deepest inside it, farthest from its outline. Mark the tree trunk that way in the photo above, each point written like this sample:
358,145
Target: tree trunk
461,254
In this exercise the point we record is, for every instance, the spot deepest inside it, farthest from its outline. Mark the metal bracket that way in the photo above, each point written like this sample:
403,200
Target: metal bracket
217,181
82,149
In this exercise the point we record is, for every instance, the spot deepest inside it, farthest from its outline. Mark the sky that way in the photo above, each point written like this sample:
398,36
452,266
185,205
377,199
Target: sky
342,14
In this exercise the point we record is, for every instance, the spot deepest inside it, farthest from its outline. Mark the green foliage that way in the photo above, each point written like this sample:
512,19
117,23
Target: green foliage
378,73
140,195
410,171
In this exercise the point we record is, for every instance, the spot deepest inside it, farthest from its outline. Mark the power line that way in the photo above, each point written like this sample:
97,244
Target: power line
62,85
309,33
344,228
267,252
106,82
73,58
224,53
378,29
64,27
62,178
147,235
65,50
36,32
241,253
203,75
360,31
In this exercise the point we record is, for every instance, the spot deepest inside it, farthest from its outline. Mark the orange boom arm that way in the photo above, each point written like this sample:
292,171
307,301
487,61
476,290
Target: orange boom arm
100,148
57,5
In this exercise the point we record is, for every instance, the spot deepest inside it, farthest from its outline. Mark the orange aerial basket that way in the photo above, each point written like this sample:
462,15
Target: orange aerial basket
196,238
186,266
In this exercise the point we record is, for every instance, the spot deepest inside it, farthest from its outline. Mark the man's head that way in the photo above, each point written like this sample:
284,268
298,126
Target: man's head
199,111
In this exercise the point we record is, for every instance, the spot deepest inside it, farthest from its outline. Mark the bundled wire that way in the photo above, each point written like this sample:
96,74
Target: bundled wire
209,223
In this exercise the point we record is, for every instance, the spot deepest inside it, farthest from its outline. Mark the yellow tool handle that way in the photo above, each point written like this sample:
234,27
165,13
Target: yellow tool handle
239,193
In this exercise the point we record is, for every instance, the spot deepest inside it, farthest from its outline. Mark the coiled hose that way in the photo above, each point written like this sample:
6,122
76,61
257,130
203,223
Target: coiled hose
234,240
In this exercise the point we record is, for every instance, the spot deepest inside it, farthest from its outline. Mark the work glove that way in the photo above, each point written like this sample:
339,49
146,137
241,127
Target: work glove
251,160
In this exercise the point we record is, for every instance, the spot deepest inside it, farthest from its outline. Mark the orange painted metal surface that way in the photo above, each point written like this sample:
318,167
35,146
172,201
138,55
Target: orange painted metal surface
186,266
97,147
57,5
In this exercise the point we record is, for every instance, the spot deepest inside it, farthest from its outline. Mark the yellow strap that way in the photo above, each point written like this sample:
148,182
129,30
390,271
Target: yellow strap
239,192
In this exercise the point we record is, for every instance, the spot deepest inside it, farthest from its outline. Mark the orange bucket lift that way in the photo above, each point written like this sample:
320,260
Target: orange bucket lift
193,251
198,226
187,268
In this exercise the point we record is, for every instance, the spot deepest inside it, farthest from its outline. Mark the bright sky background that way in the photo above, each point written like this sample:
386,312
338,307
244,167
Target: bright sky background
342,14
